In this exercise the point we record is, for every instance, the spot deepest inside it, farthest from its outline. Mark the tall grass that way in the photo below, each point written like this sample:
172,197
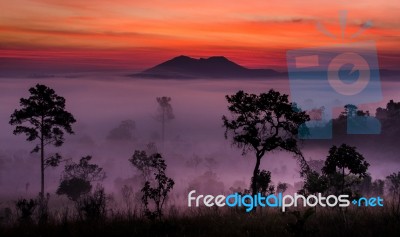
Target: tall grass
221,222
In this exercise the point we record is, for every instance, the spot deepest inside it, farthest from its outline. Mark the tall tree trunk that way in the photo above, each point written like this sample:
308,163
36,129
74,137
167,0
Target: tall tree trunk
42,159
255,175
163,128
42,168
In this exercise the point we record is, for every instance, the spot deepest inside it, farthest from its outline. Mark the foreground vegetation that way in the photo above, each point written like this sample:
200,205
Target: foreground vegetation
222,222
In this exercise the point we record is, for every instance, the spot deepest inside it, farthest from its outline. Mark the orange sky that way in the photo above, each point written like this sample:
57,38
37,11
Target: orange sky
131,34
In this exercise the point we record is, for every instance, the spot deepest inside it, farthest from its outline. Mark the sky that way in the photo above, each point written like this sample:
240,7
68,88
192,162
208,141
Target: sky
80,35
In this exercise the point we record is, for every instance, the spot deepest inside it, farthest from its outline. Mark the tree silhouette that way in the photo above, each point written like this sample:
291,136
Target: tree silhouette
314,182
157,188
123,132
390,119
43,117
394,189
77,178
281,187
93,205
342,159
74,188
262,182
369,187
263,123
392,111
350,111
143,162
165,113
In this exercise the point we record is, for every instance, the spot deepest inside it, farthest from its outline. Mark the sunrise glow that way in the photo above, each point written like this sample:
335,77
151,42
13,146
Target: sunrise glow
135,34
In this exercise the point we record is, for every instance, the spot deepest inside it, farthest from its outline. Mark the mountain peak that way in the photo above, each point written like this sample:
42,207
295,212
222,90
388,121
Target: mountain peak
182,57
221,58
211,59
212,67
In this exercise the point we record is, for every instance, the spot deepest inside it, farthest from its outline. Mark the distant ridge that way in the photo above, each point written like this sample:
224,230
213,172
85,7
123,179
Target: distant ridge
184,67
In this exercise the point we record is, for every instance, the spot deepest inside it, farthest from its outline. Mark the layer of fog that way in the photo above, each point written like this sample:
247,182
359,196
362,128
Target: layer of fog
99,104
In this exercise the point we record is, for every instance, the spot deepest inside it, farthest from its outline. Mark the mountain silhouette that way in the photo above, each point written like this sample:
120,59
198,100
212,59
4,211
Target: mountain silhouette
184,67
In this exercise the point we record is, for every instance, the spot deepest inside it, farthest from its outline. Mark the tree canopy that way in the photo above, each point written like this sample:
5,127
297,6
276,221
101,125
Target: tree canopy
77,178
341,163
43,117
263,123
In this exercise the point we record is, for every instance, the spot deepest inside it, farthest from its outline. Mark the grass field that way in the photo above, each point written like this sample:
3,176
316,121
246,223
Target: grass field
222,222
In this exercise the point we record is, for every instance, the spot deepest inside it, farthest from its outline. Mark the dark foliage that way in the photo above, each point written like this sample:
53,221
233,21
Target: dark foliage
263,123
77,177
341,163
368,223
43,117
263,180
144,163
315,182
394,189
155,188
92,206
74,188
26,209
281,187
